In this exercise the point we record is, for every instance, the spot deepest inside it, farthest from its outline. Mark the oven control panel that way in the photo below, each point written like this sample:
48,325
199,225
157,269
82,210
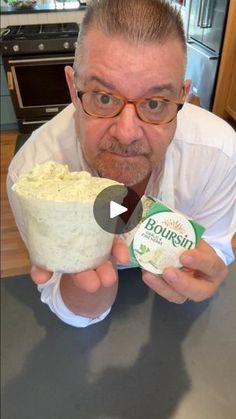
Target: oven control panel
39,39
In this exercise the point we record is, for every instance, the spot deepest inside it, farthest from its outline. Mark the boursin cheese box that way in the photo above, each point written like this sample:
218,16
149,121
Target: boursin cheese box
162,236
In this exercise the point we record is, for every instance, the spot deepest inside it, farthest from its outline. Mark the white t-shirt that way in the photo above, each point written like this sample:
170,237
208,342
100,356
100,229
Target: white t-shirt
198,178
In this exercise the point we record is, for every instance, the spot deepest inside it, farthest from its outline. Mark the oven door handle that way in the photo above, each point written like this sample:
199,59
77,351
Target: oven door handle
38,60
10,80
41,121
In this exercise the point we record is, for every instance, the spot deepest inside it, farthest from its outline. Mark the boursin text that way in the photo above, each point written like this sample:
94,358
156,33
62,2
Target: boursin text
168,234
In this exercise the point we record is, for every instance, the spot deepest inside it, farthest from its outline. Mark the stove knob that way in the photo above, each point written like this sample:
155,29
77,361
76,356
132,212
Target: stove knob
16,48
66,45
41,47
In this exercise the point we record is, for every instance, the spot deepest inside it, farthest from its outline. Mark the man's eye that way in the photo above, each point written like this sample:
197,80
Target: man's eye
104,99
154,104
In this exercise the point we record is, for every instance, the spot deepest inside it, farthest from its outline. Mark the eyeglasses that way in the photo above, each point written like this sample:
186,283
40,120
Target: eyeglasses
153,110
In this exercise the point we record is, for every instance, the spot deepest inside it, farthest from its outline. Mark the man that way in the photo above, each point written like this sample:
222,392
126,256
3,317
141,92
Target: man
125,123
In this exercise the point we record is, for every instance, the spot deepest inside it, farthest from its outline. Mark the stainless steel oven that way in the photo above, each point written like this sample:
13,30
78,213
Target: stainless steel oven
34,68
38,87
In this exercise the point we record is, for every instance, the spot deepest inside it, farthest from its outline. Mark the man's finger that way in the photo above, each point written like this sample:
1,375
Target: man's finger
39,275
205,260
120,250
107,274
196,289
87,281
162,288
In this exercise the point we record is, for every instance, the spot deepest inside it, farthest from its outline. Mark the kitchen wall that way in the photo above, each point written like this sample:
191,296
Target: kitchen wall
50,17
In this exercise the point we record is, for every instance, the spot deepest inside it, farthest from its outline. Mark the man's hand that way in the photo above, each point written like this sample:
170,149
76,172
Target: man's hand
91,280
200,278
92,292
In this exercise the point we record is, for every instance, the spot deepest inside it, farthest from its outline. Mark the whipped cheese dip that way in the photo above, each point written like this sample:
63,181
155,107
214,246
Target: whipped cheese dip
53,181
162,236
57,208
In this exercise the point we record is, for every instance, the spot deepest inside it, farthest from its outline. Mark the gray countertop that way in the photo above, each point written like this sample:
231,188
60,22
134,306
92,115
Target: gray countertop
149,359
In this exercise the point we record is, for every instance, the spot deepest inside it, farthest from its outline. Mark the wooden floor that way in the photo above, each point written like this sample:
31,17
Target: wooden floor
14,256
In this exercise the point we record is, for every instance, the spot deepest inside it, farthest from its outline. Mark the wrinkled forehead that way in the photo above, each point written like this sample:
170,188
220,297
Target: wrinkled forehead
121,62
97,42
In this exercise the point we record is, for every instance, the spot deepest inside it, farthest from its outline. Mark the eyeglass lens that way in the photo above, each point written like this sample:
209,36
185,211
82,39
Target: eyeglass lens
105,105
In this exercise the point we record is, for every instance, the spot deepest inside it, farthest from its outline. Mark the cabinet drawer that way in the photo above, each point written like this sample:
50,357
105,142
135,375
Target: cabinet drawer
7,111
4,88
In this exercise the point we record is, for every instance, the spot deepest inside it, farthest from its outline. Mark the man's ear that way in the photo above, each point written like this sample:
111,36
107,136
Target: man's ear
187,86
69,73
191,97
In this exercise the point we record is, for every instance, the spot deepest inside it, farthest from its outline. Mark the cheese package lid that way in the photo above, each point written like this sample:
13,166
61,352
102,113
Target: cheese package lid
162,237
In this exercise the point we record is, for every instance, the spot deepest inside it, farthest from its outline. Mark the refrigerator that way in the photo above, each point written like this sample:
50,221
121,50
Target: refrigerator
206,20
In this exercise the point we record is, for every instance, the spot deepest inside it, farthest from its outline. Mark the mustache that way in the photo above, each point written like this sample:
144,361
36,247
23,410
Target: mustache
136,148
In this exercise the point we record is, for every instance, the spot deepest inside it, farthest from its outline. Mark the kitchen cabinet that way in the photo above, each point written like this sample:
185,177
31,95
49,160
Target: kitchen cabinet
231,98
225,97
8,117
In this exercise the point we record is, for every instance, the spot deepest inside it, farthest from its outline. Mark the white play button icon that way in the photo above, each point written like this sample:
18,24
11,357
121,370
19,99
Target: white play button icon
116,209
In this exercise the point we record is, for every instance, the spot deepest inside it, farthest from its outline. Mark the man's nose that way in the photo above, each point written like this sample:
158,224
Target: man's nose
126,126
